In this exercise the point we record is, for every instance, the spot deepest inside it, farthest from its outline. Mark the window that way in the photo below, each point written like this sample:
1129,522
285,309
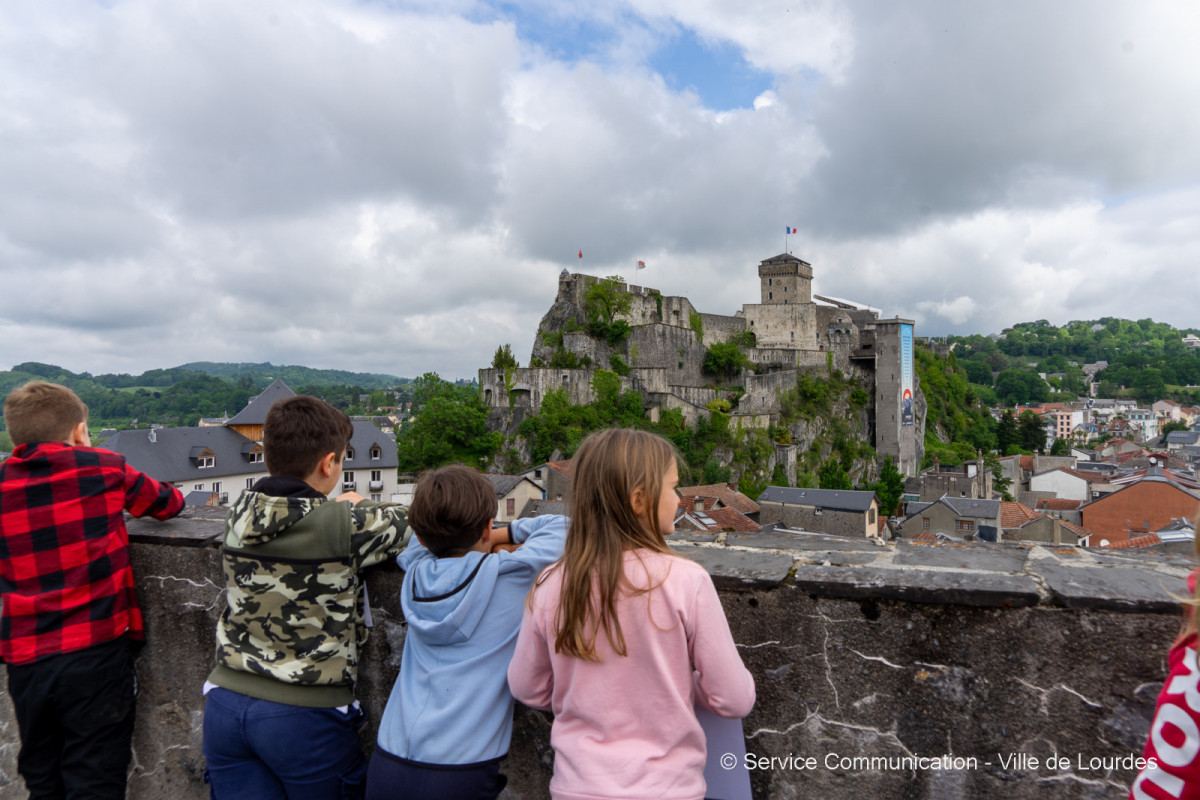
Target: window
924,522
216,486
349,453
537,474
376,453
249,482
510,506
199,487
376,475
376,498
348,477
206,462
256,457
964,525
818,511
871,516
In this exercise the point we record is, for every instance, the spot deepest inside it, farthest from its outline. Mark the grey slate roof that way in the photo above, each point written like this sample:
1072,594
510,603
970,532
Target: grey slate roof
1183,437
536,508
971,507
365,435
819,498
961,506
168,457
255,412
503,484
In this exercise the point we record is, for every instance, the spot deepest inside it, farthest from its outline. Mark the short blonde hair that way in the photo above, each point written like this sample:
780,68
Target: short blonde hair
42,412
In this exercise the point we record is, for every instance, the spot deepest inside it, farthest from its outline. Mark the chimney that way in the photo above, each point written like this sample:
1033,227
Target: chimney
699,504
153,435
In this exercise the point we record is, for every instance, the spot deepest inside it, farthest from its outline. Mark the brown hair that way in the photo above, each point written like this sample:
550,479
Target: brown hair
42,412
609,466
450,508
299,431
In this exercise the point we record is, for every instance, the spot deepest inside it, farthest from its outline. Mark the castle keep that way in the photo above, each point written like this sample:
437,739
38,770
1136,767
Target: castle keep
793,331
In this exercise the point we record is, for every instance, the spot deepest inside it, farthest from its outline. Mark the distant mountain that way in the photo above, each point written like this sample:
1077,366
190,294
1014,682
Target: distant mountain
294,375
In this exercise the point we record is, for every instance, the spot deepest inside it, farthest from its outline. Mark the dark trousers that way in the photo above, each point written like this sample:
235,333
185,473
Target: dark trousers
259,750
75,715
392,778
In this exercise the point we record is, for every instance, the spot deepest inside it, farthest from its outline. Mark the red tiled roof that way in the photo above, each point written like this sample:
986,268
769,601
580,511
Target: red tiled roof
1078,530
728,496
1148,540
1090,477
730,519
1027,462
723,519
565,467
1058,504
1014,515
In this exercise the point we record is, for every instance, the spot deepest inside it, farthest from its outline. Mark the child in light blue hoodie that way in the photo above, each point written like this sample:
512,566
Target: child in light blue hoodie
448,721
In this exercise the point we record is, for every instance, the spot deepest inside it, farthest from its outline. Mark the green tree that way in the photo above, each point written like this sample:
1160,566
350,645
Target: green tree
725,360
504,358
1061,447
604,301
1007,433
889,488
1174,425
1031,431
450,427
831,475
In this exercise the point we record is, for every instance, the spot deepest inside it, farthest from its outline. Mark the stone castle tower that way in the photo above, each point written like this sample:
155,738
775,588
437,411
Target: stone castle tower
663,356
785,279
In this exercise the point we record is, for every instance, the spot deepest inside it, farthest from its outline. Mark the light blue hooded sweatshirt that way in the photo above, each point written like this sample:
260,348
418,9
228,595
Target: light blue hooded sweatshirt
451,704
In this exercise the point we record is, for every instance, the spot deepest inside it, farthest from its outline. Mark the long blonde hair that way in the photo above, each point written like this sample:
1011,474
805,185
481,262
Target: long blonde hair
608,467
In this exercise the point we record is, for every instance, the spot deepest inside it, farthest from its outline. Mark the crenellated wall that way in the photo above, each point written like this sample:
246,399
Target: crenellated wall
990,654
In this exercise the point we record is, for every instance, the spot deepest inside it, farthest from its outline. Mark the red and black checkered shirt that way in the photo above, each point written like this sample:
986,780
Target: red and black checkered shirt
65,576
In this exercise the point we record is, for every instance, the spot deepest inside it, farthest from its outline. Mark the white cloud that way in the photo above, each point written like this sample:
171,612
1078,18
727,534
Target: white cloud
394,187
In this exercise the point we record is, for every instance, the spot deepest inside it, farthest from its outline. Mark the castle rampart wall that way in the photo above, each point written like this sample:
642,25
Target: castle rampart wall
721,328
979,652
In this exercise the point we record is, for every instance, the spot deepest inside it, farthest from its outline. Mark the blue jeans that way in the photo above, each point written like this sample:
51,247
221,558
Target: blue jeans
270,751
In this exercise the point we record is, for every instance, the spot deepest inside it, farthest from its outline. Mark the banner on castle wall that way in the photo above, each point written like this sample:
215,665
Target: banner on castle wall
906,374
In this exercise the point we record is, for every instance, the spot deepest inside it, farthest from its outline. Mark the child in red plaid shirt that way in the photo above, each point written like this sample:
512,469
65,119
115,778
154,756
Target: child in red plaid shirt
70,610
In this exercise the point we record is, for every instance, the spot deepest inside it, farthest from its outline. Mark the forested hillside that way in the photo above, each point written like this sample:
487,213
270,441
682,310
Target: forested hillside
1147,358
180,396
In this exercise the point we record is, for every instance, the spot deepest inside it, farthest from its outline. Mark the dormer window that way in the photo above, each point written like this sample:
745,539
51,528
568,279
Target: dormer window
203,457
376,453
349,453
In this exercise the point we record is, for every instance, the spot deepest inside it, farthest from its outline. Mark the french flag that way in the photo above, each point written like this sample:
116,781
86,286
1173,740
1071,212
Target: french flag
791,230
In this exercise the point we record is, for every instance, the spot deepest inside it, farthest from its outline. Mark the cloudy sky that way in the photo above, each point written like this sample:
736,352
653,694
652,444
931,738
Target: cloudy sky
395,186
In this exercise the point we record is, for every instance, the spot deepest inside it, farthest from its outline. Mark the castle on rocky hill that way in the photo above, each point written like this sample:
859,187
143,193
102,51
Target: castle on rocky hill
792,330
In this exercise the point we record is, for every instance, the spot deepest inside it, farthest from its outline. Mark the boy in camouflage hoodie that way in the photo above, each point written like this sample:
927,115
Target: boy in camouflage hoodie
280,719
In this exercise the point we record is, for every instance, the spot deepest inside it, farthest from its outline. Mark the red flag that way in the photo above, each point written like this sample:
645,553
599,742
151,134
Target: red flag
581,254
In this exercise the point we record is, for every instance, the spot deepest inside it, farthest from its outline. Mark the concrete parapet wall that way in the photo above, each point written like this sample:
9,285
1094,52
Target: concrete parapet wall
991,654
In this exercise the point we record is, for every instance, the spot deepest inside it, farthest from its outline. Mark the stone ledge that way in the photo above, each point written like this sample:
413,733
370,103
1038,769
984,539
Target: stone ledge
982,575
958,587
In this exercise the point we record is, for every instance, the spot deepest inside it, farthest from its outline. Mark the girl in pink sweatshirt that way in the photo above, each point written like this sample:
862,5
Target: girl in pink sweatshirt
621,638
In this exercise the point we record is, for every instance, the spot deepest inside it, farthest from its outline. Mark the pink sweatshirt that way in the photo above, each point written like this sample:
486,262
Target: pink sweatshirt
625,726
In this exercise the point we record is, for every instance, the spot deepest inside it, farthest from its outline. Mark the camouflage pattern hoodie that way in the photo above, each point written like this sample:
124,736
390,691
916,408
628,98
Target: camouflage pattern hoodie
293,624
